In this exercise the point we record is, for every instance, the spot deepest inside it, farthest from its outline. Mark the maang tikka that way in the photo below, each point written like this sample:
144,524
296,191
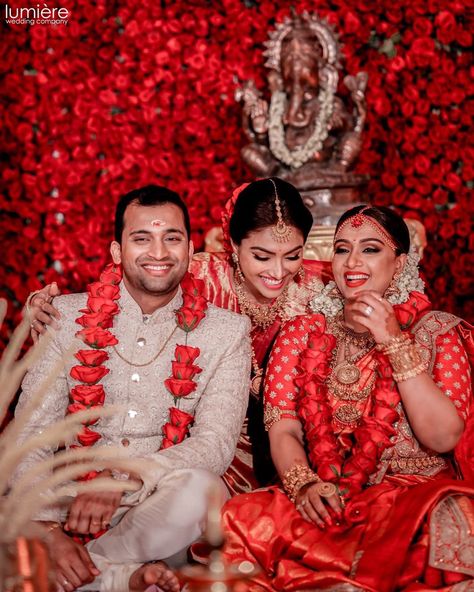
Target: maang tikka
281,231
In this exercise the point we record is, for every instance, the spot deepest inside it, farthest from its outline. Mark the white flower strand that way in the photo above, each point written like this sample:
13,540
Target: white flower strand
276,131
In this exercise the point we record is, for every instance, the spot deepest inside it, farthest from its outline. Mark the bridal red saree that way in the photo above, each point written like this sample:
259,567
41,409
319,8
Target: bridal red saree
411,527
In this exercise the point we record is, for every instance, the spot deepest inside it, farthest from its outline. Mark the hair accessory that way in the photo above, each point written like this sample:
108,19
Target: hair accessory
281,231
360,219
406,281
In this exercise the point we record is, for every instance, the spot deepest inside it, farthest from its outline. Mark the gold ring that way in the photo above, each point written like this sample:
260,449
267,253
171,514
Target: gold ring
326,489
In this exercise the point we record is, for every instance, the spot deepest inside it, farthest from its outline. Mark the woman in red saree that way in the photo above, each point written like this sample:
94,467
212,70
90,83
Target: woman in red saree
365,405
260,274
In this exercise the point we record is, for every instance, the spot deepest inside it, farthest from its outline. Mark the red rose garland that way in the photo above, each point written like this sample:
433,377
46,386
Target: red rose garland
372,435
97,319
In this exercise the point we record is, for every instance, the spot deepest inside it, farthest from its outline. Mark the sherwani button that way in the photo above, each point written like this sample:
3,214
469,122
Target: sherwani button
141,341
135,377
125,442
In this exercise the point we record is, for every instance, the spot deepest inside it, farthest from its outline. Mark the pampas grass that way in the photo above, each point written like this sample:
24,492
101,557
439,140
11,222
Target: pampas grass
50,479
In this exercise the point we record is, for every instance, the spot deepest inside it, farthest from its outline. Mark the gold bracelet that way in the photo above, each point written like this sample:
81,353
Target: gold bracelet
296,477
394,344
406,361
411,373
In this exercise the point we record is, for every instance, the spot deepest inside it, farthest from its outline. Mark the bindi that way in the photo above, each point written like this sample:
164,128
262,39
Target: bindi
157,223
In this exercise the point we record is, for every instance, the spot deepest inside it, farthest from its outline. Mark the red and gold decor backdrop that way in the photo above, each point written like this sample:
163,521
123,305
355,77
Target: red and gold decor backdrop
137,91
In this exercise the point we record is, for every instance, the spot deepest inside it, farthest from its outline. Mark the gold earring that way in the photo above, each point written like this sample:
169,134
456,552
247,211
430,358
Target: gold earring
393,289
238,270
301,274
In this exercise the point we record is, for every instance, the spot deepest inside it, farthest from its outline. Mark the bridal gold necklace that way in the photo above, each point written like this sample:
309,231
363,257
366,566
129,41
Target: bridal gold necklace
261,315
343,382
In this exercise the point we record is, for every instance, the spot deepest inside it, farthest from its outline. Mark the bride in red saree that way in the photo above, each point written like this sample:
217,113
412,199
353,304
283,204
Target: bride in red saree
367,408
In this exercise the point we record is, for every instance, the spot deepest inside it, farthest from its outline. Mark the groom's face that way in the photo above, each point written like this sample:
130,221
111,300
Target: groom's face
155,249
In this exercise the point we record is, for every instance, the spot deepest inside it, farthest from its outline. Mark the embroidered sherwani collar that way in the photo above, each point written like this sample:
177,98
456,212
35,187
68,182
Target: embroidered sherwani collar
131,308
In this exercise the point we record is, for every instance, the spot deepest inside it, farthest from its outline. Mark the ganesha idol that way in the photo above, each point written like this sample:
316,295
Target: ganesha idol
305,134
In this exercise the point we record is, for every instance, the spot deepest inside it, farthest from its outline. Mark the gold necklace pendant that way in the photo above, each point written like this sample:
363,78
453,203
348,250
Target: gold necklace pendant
347,373
348,415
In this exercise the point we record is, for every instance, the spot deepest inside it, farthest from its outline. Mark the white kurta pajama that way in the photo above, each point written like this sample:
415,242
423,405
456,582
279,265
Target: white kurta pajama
166,515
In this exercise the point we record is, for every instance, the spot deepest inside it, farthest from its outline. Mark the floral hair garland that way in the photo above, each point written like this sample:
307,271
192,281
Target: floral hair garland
96,321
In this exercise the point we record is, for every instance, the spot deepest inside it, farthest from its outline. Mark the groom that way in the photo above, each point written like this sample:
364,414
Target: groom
152,245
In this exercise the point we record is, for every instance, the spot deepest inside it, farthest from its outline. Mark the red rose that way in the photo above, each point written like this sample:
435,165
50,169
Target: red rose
324,342
97,337
87,437
356,512
184,371
76,407
88,395
87,374
101,304
100,290
406,313
447,27
90,357
95,319
188,319
180,388
112,274
175,434
186,353
180,418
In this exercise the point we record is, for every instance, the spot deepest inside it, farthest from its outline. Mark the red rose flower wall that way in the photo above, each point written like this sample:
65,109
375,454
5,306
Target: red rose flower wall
134,92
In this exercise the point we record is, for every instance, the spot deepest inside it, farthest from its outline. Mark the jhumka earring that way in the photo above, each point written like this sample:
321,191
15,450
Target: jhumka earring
281,231
238,270
393,291
301,274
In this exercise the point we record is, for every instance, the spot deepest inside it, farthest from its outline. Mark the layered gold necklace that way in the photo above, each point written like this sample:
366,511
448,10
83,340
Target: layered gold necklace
261,315
343,382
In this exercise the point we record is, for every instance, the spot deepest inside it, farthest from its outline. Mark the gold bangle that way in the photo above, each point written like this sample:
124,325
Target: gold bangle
394,344
411,373
406,361
296,477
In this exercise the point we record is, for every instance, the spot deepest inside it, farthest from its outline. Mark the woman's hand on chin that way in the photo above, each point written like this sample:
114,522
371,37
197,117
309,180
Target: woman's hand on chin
368,309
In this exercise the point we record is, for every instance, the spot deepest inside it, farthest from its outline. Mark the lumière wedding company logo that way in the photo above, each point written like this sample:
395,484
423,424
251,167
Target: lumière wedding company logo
41,14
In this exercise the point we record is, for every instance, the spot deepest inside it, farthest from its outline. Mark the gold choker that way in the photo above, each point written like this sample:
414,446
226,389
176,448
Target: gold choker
261,315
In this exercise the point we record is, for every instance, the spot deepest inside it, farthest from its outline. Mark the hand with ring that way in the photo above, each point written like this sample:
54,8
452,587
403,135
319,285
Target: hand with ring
370,310
41,310
317,501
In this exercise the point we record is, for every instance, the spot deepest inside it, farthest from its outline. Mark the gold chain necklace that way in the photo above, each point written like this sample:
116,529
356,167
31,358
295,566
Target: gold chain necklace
347,335
261,315
122,357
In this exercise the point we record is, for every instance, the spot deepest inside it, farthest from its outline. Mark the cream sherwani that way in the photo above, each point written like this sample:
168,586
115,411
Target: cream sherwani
166,514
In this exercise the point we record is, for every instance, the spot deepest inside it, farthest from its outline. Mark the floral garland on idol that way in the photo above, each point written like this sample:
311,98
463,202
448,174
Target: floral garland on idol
372,435
96,321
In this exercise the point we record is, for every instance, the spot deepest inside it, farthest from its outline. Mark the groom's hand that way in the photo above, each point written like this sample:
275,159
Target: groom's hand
73,565
92,512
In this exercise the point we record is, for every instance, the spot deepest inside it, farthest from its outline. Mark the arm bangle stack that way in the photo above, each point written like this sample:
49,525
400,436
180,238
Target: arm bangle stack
404,358
296,477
